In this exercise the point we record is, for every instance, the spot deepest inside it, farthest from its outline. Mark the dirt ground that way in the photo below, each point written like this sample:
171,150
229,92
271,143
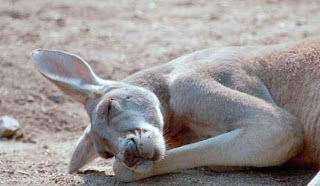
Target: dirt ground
119,38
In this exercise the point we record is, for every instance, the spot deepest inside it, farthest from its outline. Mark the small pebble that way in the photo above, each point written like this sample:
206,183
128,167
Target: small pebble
8,126
57,99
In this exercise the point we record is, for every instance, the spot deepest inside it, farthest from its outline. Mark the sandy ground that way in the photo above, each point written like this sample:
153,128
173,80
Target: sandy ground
119,38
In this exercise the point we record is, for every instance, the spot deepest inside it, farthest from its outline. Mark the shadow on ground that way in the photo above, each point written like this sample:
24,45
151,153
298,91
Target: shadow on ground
202,176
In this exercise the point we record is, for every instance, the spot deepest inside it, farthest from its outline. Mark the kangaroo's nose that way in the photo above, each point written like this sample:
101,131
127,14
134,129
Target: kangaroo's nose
132,147
131,155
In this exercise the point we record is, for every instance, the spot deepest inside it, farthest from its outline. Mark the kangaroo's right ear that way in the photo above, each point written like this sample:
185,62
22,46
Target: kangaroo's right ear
69,72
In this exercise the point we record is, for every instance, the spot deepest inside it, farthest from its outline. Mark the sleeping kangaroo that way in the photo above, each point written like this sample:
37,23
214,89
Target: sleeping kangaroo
227,108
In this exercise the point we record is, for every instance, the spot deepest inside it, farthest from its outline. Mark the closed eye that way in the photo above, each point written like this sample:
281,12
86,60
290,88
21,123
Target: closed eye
104,108
113,108
108,110
109,106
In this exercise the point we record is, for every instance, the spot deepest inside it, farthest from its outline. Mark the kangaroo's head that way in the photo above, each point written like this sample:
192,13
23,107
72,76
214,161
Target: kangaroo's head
126,121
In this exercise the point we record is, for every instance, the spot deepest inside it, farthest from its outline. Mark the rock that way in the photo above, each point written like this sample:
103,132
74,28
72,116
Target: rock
8,126
139,14
30,98
104,34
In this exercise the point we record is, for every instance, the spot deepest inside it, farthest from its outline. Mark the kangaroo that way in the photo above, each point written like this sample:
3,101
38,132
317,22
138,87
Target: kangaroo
226,108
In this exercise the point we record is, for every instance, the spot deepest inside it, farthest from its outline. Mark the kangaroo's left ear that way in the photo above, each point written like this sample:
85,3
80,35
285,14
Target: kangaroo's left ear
84,153
69,72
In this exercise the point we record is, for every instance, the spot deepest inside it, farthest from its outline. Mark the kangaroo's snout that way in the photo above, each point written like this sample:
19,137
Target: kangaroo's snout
140,146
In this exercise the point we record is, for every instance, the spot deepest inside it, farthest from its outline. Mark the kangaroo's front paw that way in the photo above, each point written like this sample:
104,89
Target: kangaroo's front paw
122,173
126,175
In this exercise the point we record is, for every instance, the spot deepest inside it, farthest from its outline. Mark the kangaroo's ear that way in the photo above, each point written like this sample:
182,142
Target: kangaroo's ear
69,72
84,152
